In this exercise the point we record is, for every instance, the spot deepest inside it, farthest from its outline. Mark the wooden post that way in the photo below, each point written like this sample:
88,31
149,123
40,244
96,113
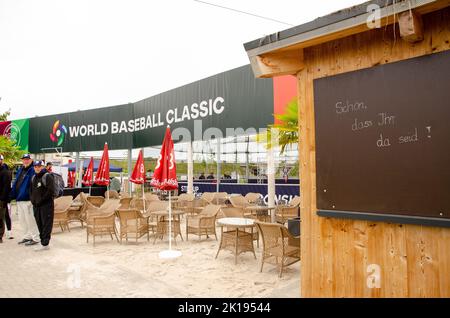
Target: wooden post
411,26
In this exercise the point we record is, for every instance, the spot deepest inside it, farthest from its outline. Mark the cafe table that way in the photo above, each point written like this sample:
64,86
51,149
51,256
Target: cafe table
235,238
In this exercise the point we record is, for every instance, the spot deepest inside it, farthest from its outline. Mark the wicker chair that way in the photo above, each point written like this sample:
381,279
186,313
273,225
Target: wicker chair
285,212
204,223
112,194
232,212
77,210
185,202
208,196
132,222
125,203
151,197
96,200
220,198
154,206
101,221
252,197
279,246
61,216
139,204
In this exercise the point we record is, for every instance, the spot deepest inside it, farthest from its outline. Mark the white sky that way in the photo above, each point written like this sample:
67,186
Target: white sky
65,55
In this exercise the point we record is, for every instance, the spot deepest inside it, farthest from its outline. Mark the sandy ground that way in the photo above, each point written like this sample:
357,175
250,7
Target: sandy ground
73,268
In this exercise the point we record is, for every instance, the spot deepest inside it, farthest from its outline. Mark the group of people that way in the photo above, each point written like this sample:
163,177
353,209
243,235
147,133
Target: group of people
211,176
33,191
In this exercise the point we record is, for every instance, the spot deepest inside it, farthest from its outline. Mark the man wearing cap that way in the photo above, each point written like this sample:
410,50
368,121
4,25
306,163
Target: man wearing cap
49,166
21,193
5,189
41,194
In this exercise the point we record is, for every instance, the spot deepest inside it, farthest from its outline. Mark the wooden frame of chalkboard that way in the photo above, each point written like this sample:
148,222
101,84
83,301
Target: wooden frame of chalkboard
383,142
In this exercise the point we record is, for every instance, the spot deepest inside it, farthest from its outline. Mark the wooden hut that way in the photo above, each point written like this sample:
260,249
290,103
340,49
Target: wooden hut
385,252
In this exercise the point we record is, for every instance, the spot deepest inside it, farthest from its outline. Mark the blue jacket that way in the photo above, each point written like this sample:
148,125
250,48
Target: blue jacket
23,193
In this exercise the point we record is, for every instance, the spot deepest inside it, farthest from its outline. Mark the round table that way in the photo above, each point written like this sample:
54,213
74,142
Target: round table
261,211
162,224
236,240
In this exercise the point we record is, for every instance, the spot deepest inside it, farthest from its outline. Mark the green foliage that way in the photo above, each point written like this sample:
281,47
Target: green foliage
11,153
287,130
4,116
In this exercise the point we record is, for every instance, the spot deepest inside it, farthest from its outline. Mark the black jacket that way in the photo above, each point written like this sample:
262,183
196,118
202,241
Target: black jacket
39,193
5,183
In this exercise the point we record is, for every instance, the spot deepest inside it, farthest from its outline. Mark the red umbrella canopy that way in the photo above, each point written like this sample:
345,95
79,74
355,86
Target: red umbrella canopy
87,178
138,175
102,176
165,175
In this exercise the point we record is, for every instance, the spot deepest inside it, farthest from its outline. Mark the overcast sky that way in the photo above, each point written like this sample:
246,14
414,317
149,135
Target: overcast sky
66,55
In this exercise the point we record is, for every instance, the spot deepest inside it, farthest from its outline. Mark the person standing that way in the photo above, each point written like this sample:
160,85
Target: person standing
5,189
21,193
42,195
49,166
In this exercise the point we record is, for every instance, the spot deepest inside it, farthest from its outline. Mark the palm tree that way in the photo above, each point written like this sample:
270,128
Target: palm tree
287,130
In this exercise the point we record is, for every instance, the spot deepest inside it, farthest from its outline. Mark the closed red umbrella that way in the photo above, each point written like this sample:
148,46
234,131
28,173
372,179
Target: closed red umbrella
165,178
102,176
138,175
165,175
87,178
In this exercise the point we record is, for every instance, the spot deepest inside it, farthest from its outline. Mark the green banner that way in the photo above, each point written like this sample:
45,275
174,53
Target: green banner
20,133
233,99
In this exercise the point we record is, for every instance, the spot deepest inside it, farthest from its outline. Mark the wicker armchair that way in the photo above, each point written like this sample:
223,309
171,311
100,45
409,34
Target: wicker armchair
204,223
132,223
232,212
125,202
279,246
112,194
185,202
61,216
208,196
139,204
252,197
285,212
220,198
151,197
101,220
96,200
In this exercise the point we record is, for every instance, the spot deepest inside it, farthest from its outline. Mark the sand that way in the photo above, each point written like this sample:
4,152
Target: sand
74,268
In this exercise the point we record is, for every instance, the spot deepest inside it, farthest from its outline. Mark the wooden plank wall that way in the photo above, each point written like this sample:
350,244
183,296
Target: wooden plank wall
414,260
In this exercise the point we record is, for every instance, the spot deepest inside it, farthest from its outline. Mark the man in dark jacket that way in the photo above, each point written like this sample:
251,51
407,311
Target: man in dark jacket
21,193
42,195
5,188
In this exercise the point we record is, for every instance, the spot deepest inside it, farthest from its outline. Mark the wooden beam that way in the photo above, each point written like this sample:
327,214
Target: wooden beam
411,26
276,64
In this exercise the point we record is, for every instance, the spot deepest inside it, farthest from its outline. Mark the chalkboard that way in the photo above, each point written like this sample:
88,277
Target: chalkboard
383,140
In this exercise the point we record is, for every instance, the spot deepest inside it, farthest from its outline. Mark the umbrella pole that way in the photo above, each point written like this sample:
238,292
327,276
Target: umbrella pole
170,222
90,187
143,197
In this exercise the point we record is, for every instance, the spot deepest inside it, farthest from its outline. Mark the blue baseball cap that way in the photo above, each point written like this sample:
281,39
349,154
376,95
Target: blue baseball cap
39,163
26,156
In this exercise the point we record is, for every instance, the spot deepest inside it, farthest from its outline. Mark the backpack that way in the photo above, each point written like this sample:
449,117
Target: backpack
59,183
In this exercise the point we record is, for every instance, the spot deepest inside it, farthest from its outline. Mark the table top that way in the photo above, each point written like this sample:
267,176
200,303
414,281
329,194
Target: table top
236,222
166,213
259,207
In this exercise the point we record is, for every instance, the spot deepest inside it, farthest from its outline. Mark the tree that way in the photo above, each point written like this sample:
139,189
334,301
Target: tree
11,153
287,130
4,116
